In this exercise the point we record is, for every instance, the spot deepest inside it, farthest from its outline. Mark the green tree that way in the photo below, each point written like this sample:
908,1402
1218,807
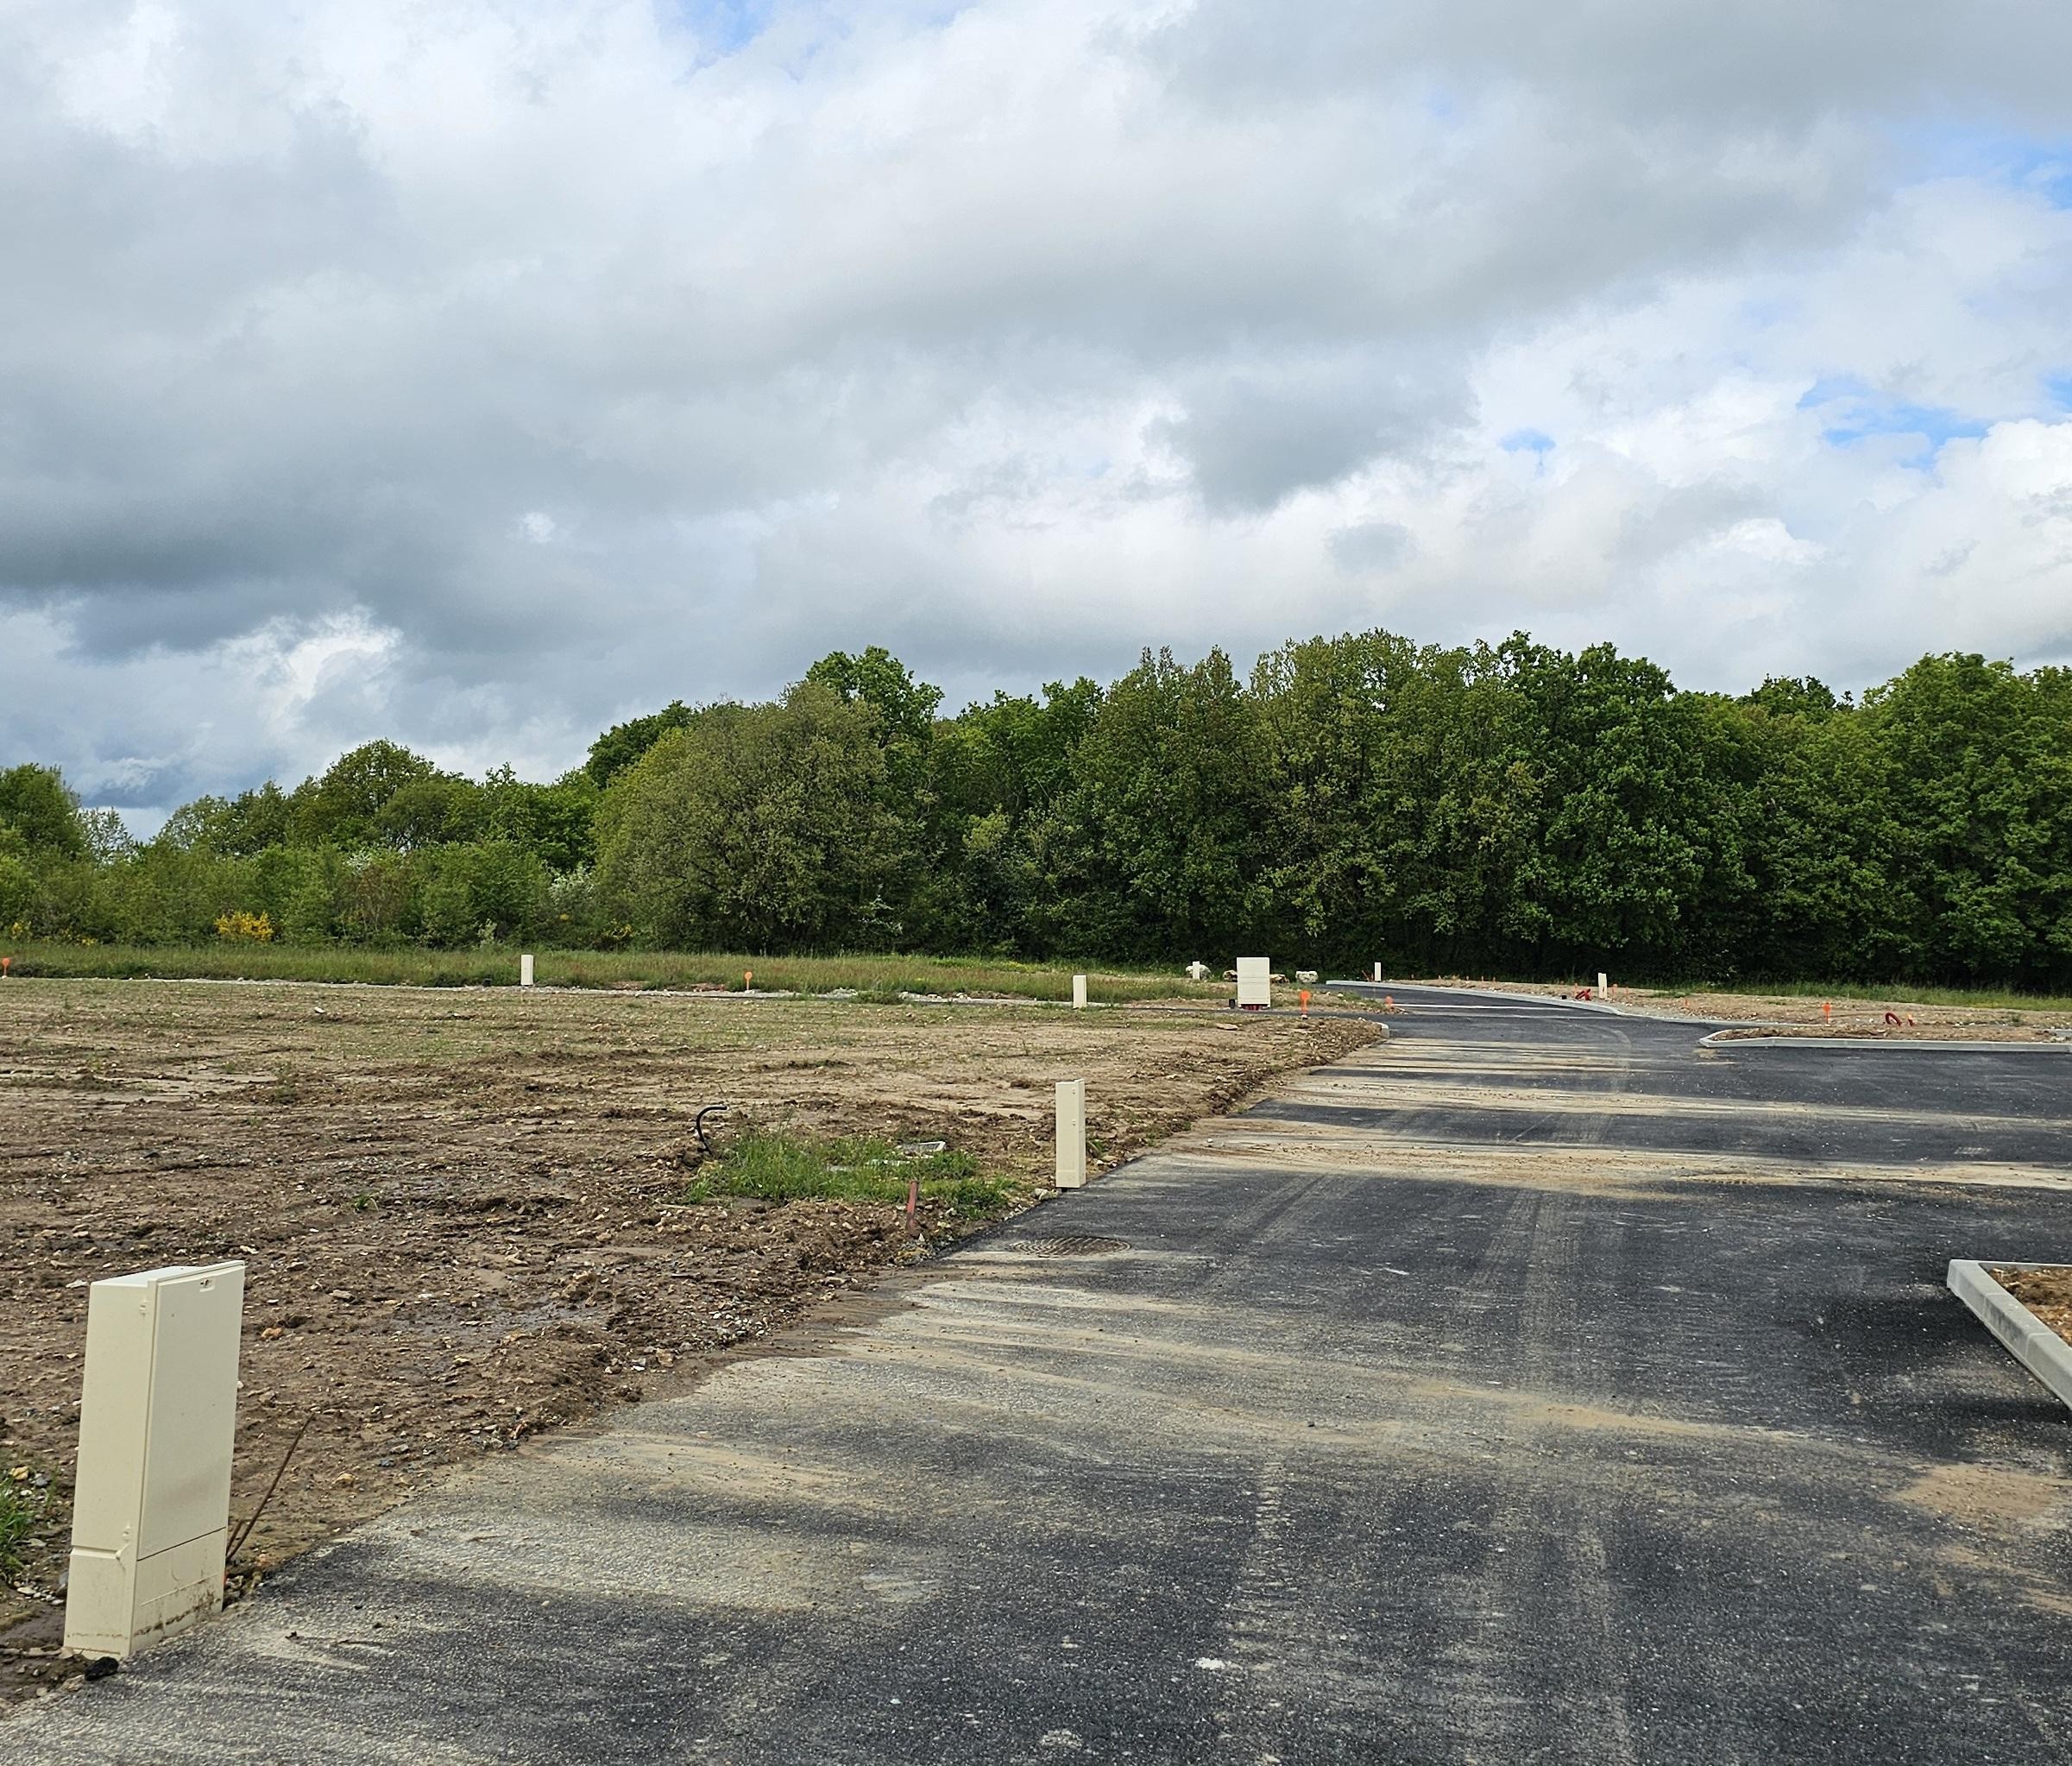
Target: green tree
620,745
343,809
1158,845
763,827
42,809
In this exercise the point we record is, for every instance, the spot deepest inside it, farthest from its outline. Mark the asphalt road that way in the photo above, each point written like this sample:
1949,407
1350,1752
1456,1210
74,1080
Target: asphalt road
1535,1387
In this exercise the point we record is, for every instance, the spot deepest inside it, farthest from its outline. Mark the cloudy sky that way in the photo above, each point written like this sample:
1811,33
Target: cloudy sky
479,372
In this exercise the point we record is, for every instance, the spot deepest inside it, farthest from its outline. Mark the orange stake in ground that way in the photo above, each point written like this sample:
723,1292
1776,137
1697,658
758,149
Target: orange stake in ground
1304,997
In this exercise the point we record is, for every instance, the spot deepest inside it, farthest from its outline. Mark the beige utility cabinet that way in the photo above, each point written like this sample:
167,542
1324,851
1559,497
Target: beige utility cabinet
1255,982
152,1499
1072,1135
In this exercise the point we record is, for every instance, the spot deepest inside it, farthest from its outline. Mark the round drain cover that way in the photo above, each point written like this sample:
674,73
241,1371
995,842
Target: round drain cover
1082,1244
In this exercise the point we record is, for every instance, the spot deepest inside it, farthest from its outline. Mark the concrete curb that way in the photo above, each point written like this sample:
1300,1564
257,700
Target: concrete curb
2028,1339
1719,1039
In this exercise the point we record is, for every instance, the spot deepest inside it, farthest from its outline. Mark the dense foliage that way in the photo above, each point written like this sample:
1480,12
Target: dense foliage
1507,808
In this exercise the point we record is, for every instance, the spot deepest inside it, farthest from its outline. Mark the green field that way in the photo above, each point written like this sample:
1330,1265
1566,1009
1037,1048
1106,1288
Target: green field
876,977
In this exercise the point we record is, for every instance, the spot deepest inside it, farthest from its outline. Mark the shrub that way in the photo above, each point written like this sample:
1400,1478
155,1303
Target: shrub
241,928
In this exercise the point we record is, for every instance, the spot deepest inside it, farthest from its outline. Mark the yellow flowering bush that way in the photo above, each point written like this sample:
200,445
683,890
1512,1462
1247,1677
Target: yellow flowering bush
241,928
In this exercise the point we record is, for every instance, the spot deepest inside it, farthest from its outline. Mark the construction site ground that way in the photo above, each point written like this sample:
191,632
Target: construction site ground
1539,1384
461,1209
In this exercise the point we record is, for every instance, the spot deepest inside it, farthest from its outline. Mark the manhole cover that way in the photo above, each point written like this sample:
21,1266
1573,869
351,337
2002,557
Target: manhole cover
1079,1245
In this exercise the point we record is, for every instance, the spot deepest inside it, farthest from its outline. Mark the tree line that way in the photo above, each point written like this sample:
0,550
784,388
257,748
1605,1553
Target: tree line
1511,809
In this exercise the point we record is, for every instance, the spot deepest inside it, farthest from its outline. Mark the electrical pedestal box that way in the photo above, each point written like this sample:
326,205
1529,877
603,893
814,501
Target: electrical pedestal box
1072,1135
1255,982
152,1496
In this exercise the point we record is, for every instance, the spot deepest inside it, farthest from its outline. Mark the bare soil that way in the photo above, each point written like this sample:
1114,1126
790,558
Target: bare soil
2045,1291
460,1210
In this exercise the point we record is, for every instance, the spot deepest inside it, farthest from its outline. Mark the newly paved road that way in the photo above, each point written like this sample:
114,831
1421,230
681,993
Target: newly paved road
1536,1387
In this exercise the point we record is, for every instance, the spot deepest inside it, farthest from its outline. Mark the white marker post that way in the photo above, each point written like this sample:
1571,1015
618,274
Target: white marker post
524,971
1079,993
1377,971
1072,1135
1255,983
151,1506
1603,987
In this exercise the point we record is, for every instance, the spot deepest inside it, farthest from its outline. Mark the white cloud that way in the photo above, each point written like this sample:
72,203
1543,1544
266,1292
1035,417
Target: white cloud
480,374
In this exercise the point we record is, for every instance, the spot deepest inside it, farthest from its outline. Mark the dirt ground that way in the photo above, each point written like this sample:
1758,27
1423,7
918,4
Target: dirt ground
2047,1292
1776,1014
458,1208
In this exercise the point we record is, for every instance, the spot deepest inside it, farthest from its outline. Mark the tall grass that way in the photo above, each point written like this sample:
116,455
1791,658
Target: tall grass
18,1518
1909,993
872,976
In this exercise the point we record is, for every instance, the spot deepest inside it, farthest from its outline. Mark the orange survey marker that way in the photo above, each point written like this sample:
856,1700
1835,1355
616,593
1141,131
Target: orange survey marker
6,963
747,979
1304,997
1827,1008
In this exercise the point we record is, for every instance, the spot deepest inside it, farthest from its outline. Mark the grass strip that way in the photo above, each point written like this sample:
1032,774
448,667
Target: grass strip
1898,992
781,1168
868,976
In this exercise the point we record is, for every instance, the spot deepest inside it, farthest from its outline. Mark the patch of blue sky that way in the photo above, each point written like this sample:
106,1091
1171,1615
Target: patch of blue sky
1856,411
2040,163
723,26
2057,388
1527,441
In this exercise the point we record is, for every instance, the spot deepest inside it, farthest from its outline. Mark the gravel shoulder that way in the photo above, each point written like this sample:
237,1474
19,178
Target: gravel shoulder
459,1209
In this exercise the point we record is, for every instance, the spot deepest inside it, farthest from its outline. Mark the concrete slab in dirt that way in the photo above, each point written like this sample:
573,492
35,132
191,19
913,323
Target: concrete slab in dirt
1363,1457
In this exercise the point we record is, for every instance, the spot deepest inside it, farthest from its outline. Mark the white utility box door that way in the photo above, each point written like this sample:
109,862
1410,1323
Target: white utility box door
1072,1135
1255,981
152,1499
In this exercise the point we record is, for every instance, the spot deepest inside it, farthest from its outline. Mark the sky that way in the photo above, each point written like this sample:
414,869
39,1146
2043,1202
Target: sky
479,373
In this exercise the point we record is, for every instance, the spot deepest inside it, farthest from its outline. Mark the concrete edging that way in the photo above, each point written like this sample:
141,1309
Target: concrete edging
2027,1337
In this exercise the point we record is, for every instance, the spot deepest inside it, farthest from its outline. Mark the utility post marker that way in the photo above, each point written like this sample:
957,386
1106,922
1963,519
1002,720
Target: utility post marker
1603,985
525,970
1255,983
1377,971
151,1506
1072,1135
1079,993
